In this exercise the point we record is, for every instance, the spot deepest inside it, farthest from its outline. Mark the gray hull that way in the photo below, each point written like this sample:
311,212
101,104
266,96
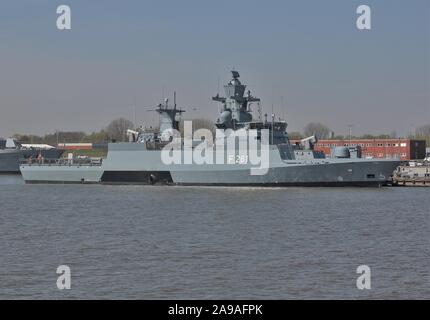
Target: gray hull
329,175
130,163
61,174
9,161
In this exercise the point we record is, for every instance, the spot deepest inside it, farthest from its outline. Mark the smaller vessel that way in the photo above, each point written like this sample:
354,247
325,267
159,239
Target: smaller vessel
12,153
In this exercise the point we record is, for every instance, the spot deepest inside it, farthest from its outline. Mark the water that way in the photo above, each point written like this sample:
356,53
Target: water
142,242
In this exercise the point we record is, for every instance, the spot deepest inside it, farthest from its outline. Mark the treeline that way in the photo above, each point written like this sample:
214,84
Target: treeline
63,137
116,130
323,133
423,133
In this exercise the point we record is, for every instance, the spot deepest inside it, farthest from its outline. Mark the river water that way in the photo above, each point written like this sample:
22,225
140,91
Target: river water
150,242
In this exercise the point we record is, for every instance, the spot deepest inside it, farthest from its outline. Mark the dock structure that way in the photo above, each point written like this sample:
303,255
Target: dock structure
417,175
414,182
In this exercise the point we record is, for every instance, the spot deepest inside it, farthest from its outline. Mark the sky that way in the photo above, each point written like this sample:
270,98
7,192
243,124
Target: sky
305,57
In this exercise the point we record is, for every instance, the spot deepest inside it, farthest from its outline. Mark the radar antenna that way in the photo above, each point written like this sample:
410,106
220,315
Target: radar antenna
260,111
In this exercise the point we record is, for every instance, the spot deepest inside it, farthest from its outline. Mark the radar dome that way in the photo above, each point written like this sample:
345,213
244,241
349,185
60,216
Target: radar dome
340,152
225,117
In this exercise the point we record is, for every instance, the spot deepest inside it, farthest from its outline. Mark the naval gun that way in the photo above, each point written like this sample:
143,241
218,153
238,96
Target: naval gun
132,135
309,142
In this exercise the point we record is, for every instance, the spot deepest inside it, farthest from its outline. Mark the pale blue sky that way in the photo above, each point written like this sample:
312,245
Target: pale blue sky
305,53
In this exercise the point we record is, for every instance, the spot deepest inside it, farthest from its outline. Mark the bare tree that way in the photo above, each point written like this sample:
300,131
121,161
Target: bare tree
294,135
423,132
199,124
317,129
117,129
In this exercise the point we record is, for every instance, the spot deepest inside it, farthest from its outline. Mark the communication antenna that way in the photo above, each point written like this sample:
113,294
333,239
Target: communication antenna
163,88
134,113
260,111
273,123
283,107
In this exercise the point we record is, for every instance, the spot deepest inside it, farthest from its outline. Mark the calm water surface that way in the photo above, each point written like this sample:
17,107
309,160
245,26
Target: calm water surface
142,242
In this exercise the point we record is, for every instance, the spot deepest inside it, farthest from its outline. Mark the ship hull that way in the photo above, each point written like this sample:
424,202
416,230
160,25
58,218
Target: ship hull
45,174
130,164
330,175
62,174
9,161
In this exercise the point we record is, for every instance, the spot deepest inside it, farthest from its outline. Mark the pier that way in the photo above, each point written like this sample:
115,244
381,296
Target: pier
414,182
413,174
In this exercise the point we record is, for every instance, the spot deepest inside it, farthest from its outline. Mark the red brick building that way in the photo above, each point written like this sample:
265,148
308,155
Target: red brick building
407,149
75,146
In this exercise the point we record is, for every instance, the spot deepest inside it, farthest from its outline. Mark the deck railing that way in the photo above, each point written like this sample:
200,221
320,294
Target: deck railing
63,162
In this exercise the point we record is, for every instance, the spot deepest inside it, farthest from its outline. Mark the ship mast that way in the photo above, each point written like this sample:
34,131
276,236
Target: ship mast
235,104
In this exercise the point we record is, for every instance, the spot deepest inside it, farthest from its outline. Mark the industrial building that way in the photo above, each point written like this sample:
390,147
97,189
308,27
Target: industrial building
406,149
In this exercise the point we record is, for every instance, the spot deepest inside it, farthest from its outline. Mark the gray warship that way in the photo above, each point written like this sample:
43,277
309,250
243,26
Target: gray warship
139,160
12,153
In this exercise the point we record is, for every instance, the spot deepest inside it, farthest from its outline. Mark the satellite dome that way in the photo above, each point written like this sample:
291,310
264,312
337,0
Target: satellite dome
340,152
225,118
